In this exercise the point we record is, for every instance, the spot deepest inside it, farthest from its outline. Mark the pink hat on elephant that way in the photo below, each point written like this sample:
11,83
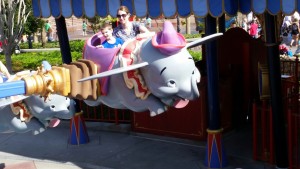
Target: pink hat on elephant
168,41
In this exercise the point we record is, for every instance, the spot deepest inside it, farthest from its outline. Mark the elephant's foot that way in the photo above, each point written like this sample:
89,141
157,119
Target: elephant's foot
92,102
158,111
38,131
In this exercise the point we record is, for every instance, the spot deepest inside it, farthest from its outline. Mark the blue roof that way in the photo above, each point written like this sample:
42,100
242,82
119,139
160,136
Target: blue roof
155,8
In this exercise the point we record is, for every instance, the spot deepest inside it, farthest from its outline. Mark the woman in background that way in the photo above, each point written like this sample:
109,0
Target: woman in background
127,29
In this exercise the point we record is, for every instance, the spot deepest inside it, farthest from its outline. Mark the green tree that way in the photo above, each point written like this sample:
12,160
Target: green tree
32,25
97,22
13,16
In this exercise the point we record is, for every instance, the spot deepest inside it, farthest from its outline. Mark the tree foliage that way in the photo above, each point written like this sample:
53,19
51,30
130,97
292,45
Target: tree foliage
32,24
13,16
97,22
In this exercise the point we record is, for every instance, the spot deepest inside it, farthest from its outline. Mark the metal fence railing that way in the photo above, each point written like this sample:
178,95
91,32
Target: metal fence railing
263,143
104,113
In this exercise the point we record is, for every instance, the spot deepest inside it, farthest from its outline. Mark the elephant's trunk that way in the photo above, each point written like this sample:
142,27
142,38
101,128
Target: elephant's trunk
194,89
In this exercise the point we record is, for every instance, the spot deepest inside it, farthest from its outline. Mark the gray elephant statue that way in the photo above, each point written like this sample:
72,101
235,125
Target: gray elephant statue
41,114
146,73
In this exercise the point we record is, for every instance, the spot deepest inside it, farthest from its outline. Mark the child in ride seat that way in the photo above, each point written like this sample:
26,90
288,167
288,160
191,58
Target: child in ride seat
111,41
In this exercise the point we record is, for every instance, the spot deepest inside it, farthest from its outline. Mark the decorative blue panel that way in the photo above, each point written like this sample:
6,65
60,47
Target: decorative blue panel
288,6
140,8
215,7
157,8
77,8
200,7
55,11
245,6
66,8
231,7
154,8
36,8
169,8
101,7
128,4
259,6
113,6
184,8
45,8
89,7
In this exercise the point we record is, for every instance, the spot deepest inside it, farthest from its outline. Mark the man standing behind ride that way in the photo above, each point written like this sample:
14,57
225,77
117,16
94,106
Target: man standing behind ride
48,30
111,41
84,26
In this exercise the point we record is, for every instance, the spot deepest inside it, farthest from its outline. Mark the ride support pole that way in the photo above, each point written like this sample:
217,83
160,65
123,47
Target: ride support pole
263,130
271,159
254,132
290,137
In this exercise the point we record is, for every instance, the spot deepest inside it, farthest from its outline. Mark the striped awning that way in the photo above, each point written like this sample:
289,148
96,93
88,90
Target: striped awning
156,8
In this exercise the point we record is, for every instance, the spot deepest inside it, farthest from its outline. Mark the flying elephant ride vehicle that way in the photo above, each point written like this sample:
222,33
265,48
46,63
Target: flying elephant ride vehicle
148,73
31,113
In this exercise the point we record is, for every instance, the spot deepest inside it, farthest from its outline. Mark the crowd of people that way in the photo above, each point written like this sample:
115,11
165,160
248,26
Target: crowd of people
290,30
250,25
289,33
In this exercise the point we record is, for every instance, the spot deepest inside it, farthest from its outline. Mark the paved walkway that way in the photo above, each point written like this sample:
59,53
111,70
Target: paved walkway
117,150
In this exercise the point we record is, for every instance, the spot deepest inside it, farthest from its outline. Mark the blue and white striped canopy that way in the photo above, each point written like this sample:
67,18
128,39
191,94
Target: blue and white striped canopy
156,8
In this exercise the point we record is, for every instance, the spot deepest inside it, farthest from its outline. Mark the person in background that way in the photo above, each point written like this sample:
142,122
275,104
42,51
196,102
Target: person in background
84,27
296,16
111,41
294,32
148,22
253,29
285,30
233,25
245,24
127,29
48,30
1,47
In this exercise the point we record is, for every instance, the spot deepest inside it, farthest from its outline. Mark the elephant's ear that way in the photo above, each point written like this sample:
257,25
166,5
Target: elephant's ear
203,40
115,71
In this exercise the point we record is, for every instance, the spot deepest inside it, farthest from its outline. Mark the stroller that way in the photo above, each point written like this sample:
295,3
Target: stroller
284,50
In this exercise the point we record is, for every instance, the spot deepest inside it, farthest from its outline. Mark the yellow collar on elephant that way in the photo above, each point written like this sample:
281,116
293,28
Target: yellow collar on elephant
129,54
21,109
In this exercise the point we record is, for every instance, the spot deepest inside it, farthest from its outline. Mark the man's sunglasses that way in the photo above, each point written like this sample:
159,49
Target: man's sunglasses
123,15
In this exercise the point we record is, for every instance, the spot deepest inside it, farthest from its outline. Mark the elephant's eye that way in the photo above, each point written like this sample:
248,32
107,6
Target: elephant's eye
52,106
171,83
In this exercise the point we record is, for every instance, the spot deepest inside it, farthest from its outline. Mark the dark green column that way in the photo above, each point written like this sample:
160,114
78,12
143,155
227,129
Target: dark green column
279,130
212,75
215,155
63,39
